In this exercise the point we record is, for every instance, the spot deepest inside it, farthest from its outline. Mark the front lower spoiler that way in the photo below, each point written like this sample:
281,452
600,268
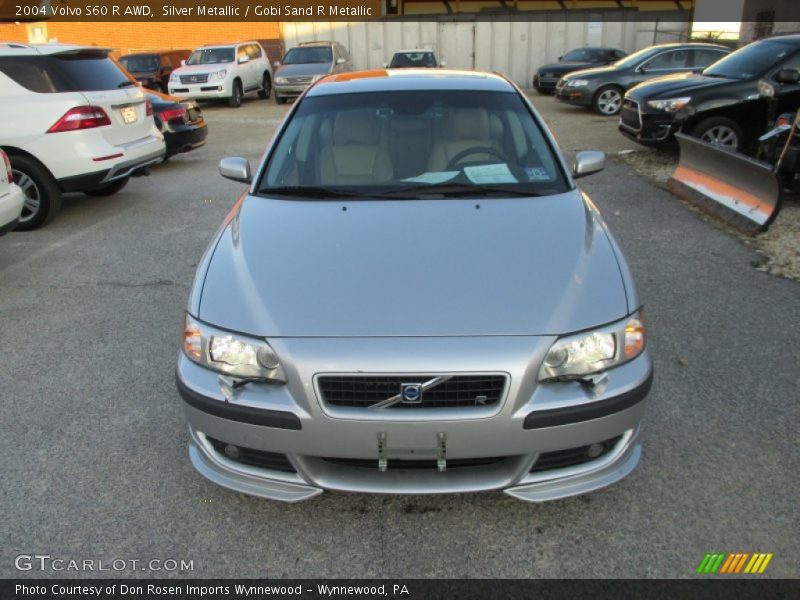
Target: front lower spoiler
740,191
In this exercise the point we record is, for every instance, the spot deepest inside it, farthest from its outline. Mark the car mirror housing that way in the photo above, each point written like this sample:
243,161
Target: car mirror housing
340,61
588,162
244,59
788,76
183,63
236,168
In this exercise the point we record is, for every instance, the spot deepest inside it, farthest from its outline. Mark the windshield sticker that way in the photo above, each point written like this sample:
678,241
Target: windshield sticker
490,174
433,177
537,174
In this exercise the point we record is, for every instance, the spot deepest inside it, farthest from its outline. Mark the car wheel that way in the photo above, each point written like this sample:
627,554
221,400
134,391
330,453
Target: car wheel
720,131
266,87
109,189
280,99
235,101
42,196
608,101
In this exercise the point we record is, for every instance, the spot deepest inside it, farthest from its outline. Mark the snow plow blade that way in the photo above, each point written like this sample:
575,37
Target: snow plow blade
740,191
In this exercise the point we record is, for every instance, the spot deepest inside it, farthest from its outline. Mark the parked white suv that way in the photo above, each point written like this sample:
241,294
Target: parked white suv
224,71
74,123
11,196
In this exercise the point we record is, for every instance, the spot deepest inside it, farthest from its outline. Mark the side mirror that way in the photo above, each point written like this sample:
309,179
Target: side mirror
235,168
385,65
443,64
340,61
183,63
276,64
560,57
588,162
788,76
243,59
641,69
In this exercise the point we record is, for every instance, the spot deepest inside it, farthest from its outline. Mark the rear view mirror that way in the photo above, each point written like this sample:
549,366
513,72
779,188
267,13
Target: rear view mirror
588,162
788,76
235,168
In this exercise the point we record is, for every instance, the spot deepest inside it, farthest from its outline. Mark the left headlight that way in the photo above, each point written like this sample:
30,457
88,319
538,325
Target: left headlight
575,356
669,104
217,75
577,82
280,80
230,353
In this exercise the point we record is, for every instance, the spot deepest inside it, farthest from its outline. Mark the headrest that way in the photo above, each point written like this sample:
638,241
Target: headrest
354,128
467,124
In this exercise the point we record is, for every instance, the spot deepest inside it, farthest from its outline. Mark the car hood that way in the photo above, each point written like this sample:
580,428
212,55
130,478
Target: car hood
592,73
303,69
564,67
679,83
413,268
206,68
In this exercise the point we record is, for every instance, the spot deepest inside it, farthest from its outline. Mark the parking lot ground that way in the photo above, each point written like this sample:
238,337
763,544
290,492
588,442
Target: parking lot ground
94,443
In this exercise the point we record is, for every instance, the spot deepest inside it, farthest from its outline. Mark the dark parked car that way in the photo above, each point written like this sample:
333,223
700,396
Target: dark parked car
181,122
721,105
153,69
602,88
407,59
547,76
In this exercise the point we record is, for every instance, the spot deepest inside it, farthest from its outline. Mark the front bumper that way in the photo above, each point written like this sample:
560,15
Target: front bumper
648,129
545,84
323,445
580,96
289,90
212,90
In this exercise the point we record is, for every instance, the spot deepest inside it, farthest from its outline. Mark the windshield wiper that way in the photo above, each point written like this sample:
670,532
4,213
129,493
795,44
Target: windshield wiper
461,190
312,192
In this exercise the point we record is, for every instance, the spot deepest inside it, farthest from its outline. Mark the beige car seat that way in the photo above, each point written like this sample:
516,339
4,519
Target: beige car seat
355,155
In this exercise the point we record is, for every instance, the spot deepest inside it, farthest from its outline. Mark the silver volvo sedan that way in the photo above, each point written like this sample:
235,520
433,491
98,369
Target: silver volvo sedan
413,297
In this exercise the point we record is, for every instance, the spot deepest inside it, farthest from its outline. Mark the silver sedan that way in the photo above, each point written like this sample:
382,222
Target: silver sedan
414,297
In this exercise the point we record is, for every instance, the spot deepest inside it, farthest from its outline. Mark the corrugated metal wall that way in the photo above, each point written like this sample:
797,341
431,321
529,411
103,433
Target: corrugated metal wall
515,48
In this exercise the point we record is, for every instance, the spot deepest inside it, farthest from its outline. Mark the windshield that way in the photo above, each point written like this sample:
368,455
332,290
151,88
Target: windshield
751,61
637,57
210,56
403,144
308,54
412,59
585,55
140,64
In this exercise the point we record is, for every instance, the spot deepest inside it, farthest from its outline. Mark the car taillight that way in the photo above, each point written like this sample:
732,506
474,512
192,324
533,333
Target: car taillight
172,114
9,174
148,107
81,117
784,120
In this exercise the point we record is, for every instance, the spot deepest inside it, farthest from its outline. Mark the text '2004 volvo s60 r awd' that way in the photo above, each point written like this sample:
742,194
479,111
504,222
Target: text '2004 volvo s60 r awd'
413,297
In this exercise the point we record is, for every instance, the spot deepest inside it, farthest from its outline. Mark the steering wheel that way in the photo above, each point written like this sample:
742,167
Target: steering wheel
475,150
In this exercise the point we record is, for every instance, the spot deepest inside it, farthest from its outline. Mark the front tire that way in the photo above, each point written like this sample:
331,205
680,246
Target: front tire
109,189
266,87
235,101
608,101
42,196
721,132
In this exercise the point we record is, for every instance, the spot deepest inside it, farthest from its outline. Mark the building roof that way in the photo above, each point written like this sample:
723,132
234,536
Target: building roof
387,80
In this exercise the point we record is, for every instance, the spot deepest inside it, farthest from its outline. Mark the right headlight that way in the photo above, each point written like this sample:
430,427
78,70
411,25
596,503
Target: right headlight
280,80
230,353
670,105
582,354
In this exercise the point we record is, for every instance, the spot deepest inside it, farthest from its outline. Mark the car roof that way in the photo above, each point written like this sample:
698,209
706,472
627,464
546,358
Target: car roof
228,45
414,50
387,80
794,37
20,49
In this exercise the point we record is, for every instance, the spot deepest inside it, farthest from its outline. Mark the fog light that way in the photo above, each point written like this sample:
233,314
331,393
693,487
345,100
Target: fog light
593,451
232,451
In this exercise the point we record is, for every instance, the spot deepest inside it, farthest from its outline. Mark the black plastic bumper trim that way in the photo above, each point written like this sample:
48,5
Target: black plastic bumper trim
586,412
243,414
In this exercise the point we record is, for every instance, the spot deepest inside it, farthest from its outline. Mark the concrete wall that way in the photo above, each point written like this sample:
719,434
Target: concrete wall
515,48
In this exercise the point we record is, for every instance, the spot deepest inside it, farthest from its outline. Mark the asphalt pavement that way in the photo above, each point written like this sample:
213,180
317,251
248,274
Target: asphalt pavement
94,444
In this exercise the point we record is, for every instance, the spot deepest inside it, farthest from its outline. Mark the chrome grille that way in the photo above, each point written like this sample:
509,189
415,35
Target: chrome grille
199,78
364,391
629,116
298,79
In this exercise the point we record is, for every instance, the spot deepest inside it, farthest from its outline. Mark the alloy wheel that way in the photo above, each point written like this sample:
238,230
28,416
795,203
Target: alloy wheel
722,136
609,102
32,193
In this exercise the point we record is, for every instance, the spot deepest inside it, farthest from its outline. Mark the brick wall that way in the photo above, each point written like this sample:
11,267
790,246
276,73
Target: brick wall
133,37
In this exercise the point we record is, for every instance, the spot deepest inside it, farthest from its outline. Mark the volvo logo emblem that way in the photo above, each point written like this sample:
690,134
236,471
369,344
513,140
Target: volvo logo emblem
411,393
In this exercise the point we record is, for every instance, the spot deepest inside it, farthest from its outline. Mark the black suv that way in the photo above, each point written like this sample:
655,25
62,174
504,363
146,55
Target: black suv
603,88
153,69
547,76
721,105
